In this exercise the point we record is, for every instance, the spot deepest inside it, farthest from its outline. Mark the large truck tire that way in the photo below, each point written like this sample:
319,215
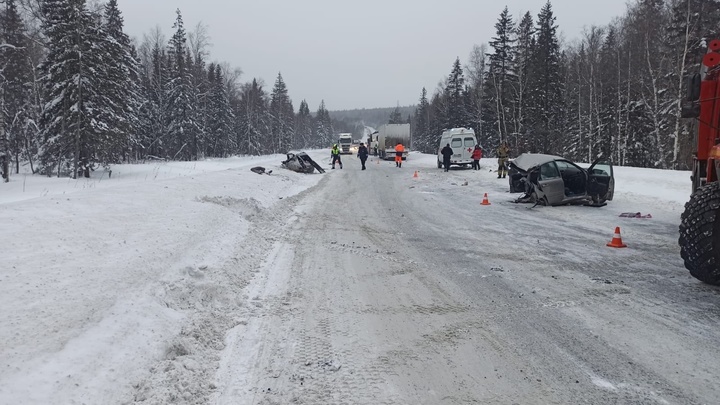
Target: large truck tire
700,234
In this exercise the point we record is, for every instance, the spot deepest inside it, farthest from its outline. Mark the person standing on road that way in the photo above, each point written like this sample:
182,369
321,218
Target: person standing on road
335,153
362,154
476,156
503,154
399,149
447,153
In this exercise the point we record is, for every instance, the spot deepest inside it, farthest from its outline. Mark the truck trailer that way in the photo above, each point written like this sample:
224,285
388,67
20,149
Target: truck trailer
389,136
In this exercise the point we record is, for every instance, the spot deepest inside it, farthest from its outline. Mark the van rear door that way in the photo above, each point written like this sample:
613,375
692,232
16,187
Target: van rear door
468,146
457,146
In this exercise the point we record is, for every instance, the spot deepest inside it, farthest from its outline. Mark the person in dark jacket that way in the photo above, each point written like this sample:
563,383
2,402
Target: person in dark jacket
362,154
447,153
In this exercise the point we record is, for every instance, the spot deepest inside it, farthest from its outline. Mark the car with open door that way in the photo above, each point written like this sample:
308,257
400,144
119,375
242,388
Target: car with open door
554,180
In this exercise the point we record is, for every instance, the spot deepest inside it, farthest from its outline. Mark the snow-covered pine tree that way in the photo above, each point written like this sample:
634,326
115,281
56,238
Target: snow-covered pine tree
183,128
283,118
546,87
220,115
14,84
455,115
438,116
253,119
304,132
121,86
422,139
324,128
154,113
523,53
77,114
500,78
201,88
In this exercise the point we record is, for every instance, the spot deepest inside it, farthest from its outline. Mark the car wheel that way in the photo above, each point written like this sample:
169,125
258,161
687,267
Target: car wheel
439,165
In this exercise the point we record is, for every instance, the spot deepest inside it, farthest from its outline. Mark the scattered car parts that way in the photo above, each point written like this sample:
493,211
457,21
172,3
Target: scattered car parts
301,163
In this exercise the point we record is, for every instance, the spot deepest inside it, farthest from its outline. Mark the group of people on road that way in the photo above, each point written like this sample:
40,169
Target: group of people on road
363,154
503,154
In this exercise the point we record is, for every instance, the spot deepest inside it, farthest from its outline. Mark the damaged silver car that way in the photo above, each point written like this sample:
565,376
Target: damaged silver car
554,180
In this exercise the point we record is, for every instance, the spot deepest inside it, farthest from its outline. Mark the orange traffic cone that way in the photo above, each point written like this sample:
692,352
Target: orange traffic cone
616,241
485,200
415,175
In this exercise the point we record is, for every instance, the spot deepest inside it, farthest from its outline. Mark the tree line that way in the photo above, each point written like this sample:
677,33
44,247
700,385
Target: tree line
76,94
614,93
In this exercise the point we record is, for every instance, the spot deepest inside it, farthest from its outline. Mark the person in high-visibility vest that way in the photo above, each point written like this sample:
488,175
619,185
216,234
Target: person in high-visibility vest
399,149
335,153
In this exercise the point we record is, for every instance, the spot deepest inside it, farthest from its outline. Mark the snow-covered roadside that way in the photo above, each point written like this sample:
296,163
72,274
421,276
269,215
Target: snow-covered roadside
103,279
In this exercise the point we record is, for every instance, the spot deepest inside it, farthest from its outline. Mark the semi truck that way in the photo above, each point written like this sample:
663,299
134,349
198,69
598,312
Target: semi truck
344,143
389,136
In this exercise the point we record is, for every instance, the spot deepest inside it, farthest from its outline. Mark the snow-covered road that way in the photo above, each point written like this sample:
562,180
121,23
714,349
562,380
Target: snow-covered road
357,287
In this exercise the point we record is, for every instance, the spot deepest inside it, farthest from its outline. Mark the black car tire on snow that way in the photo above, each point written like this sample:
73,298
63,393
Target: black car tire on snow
700,234
439,165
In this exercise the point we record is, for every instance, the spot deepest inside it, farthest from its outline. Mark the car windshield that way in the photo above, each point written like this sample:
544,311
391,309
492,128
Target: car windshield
470,142
456,143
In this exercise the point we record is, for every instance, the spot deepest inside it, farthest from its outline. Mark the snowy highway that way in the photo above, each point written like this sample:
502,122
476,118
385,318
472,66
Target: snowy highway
352,287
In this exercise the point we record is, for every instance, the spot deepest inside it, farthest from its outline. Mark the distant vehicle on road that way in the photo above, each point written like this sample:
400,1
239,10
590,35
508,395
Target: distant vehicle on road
462,141
344,142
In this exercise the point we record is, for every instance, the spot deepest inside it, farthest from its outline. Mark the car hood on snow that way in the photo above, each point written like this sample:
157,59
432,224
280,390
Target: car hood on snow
527,161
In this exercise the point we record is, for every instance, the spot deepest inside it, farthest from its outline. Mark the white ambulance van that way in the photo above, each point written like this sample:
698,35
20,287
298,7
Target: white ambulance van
462,141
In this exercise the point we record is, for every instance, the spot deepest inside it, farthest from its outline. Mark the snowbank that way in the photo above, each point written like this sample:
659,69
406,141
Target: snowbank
99,274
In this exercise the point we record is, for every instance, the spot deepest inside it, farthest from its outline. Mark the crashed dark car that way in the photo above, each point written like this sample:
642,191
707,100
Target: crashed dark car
301,163
554,180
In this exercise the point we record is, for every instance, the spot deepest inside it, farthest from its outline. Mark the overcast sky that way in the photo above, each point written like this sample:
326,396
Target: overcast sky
352,54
